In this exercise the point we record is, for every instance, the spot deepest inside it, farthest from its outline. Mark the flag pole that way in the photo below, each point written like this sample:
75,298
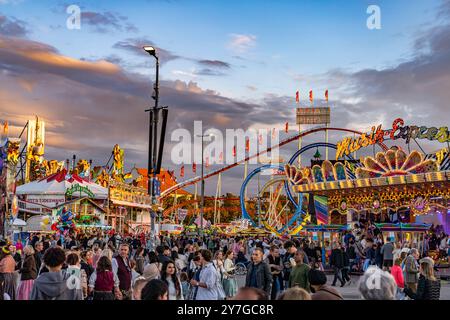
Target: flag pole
299,140
326,128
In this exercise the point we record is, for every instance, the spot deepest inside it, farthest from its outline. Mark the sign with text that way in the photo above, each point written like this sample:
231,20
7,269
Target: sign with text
399,131
313,115
47,200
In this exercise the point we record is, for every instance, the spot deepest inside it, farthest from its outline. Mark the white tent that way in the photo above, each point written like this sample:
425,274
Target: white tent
58,184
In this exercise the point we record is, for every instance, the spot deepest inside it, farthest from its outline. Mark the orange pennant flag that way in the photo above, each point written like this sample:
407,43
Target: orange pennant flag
326,95
310,96
221,157
207,162
234,151
194,168
297,97
247,144
182,171
5,128
286,129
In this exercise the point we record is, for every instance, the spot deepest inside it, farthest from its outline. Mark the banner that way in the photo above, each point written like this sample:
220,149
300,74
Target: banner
321,206
182,213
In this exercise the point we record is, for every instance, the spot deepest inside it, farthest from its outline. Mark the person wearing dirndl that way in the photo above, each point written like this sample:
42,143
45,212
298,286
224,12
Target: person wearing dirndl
229,281
28,274
7,268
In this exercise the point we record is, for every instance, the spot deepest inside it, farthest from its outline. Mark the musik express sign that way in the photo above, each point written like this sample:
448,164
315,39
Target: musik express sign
399,131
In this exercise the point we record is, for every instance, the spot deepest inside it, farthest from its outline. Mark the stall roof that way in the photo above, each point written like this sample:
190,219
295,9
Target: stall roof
326,228
397,227
58,183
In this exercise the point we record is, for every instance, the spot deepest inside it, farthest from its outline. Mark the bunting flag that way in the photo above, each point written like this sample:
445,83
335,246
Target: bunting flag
286,127
182,171
207,162
5,128
234,151
221,157
310,96
326,95
260,139
194,168
297,97
247,144
273,133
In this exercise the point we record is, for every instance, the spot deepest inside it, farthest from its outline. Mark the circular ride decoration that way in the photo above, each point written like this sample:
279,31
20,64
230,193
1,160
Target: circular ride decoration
272,216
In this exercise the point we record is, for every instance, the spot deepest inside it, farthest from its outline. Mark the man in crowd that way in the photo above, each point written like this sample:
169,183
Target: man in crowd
207,283
38,247
276,267
337,263
258,273
122,268
299,273
387,250
412,269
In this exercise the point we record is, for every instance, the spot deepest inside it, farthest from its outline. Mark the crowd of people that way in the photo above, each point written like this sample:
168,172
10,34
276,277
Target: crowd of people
107,266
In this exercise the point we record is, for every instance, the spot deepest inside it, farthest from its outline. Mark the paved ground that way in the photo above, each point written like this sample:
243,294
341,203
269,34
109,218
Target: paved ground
350,290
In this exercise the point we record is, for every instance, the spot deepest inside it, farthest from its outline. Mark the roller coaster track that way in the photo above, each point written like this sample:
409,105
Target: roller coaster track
282,143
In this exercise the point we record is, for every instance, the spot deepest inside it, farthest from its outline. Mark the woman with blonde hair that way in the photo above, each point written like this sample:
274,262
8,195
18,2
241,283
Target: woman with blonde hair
295,293
28,274
428,287
107,252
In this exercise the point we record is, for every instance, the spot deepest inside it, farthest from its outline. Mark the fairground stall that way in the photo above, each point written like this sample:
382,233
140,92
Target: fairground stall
392,187
324,235
412,233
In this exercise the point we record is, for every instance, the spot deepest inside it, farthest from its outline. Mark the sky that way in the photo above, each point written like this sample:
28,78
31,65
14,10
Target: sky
229,64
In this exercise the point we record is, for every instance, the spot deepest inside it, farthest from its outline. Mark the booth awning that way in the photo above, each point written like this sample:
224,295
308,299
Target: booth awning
404,227
58,183
326,228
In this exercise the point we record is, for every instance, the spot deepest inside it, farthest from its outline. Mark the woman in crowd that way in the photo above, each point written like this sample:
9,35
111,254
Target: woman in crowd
229,281
7,268
107,252
170,277
155,290
103,283
28,274
140,260
74,268
152,269
87,262
179,263
428,287
295,293
397,273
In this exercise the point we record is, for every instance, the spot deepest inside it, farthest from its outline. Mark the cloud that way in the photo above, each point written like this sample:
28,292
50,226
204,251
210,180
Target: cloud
12,27
241,43
208,72
134,45
107,21
215,63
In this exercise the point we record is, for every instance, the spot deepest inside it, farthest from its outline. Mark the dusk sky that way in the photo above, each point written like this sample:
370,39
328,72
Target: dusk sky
230,64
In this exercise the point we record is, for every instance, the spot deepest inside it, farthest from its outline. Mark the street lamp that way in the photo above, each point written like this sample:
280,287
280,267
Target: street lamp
202,201
152,137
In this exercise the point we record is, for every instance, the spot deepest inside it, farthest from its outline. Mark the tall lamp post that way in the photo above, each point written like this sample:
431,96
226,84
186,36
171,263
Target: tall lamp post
202,189
154,162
